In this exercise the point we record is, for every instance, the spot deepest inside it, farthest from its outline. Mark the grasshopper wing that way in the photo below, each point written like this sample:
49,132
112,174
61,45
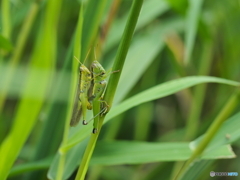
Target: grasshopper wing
77,109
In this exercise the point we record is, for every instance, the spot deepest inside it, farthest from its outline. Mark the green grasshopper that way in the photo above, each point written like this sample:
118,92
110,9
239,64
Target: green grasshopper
99,76
99,85
81,103
91,87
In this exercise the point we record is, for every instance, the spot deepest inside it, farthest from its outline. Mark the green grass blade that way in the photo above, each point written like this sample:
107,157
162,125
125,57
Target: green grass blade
199,169
134,152
150,41
28,110
77,51
191,27
156,92
150,10
228,108
91,23
73,157
231,126
17,52
227,134
165,89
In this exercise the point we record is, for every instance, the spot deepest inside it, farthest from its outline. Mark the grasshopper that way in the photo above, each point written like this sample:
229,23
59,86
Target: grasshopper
99,85
99,82
81,103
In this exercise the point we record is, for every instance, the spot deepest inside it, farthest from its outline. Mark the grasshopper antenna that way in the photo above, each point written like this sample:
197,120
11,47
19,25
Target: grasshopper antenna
78,60
95,56
87,55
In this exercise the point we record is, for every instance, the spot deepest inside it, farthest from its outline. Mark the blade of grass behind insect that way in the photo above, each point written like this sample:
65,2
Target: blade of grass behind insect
43,58
20,44
192,20
112,86
77,50
91,23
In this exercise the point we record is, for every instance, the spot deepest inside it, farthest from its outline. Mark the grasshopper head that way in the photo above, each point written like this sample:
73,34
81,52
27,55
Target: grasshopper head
85,72
97,68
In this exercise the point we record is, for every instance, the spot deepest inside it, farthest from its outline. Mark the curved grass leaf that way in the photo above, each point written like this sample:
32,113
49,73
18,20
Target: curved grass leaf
231,126
163,90
159,91
28,110
133,152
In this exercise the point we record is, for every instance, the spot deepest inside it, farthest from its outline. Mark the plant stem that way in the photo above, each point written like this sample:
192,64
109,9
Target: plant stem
112,86
122,51
91,145
76,53
213,129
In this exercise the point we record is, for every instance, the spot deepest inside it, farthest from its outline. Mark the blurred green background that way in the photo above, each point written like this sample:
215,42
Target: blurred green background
173,39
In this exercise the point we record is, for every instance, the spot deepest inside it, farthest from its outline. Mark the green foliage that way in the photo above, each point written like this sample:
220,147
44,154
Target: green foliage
174,99
5,44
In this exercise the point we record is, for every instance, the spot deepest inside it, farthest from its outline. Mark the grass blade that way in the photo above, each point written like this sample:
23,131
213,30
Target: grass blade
28,109
191,27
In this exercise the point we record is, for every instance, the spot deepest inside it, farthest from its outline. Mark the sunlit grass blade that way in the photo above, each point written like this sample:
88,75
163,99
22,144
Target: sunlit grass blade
28,110
77,50
18,50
